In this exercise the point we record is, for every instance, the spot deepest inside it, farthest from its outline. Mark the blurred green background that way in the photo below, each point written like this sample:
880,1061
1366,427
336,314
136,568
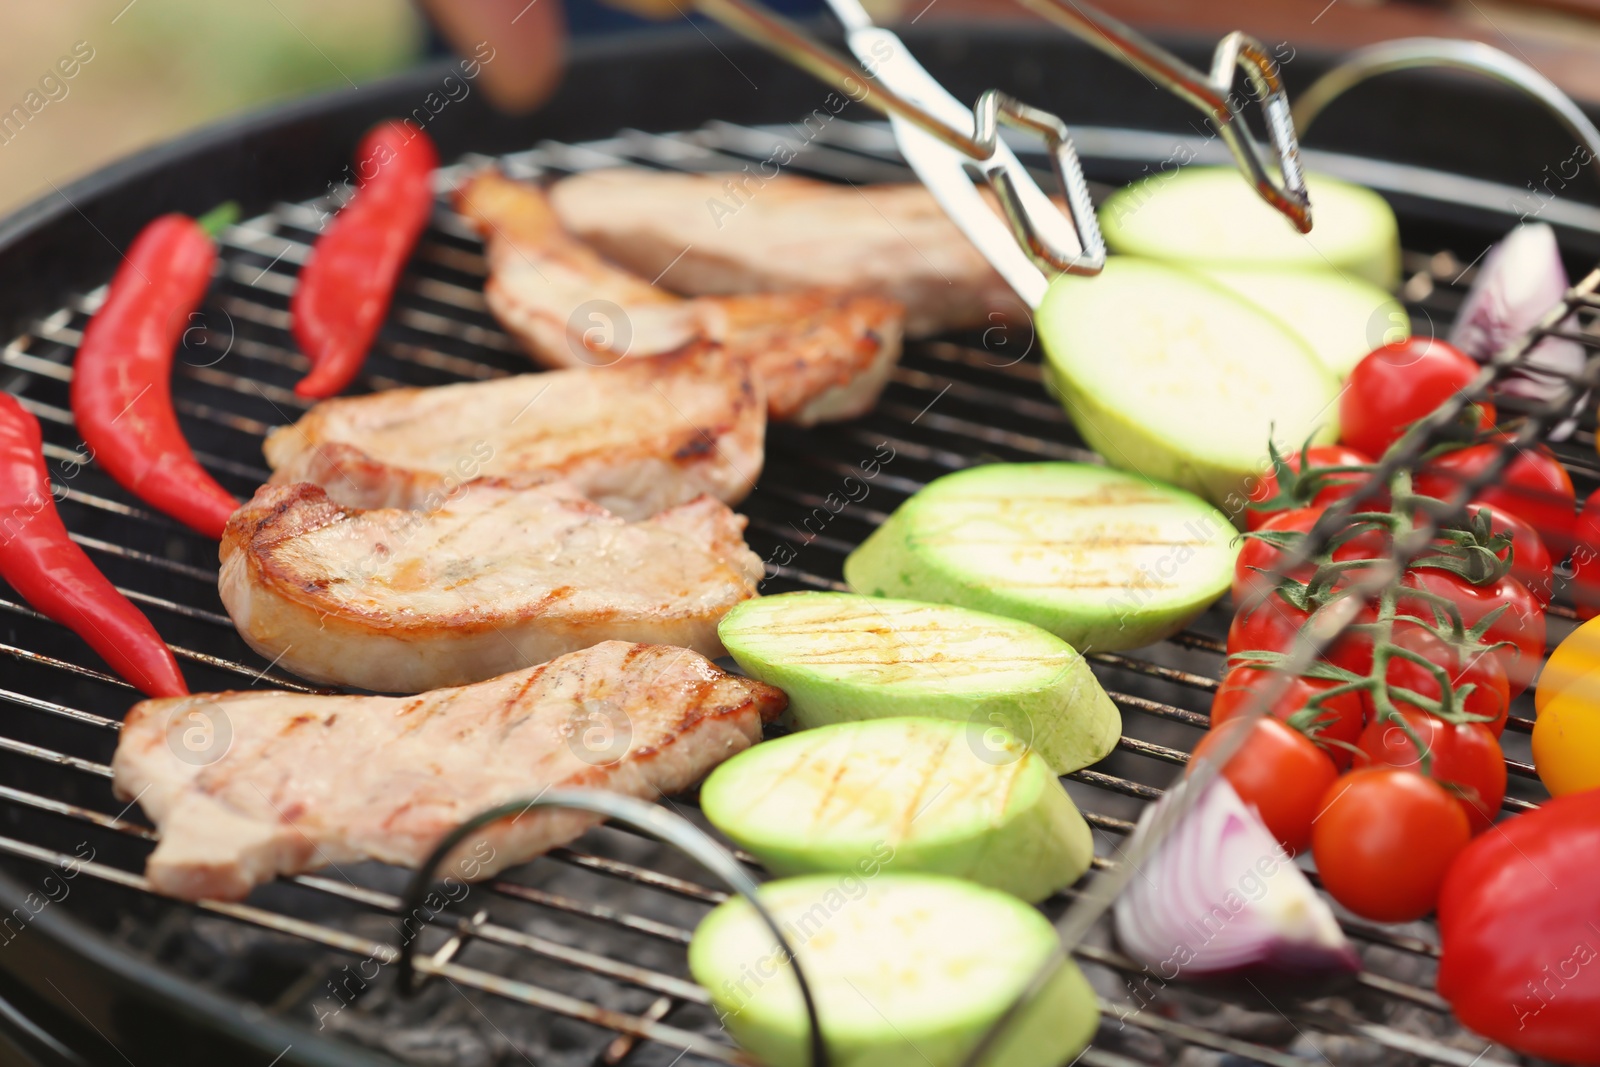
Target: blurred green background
160,67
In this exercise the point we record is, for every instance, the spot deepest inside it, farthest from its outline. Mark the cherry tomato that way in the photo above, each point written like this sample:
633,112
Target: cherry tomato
1586,559
1352,649
1316,456
1257,559
1486,673
1384,839
1268,625
1521,623
1341,719
1530,559
1280,773
1464,757
1490,693
1394,386
1533,486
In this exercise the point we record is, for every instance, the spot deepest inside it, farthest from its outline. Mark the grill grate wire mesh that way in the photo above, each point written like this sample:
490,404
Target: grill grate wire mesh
952,403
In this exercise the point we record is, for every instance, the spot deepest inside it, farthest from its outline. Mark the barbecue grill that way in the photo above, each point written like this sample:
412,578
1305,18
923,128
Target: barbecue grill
578,957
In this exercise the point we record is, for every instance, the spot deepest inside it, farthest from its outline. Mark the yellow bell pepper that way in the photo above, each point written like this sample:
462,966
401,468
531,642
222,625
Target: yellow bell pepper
1566,736
1578,657
1566,742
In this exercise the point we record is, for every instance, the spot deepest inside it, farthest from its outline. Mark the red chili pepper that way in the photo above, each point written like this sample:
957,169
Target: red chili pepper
121,380
53,574
346,283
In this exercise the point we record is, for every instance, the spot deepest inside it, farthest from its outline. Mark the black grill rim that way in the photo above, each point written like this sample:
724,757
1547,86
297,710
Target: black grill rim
68,242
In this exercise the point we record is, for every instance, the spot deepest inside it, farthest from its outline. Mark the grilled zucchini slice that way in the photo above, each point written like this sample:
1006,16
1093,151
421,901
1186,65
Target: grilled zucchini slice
1103,560
1206,215
910,795
1342,318
843,658
907,971
1170,375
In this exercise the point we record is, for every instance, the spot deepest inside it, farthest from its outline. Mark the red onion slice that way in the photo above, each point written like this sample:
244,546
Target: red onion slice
1521,279
1221,897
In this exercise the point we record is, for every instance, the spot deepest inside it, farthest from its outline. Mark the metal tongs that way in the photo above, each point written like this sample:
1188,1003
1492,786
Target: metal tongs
942,139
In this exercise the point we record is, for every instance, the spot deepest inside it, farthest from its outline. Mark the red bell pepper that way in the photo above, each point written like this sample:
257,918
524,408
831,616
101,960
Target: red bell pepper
1519,920
121,379
347,281
42,564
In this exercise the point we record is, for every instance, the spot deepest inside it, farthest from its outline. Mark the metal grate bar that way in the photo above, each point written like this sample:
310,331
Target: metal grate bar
24,701
186,653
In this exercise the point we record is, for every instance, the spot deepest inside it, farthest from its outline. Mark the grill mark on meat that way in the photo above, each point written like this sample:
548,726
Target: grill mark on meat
432,709
521,691
516,698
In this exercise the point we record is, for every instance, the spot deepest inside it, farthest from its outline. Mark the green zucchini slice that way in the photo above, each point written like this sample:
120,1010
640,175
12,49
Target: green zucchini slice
1341,317
1173,376
1102,559
843,658
1208,215
907,971
908,795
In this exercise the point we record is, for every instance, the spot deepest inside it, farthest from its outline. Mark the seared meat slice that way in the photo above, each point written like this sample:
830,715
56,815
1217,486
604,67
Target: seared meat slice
491,580
821,354
288,783
634,438
706,234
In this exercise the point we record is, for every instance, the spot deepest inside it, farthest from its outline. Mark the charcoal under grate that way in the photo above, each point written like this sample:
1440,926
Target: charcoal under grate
578,957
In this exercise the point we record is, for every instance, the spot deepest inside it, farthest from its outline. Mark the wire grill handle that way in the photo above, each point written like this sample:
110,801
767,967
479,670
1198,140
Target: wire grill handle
1412,53
652,819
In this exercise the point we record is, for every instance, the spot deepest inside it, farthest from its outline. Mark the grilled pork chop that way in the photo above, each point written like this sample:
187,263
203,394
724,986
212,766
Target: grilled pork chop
821,354
635,438
491,580
705,234
290,783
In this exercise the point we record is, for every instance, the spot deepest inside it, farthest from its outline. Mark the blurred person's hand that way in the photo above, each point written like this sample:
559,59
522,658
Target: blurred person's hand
529,39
